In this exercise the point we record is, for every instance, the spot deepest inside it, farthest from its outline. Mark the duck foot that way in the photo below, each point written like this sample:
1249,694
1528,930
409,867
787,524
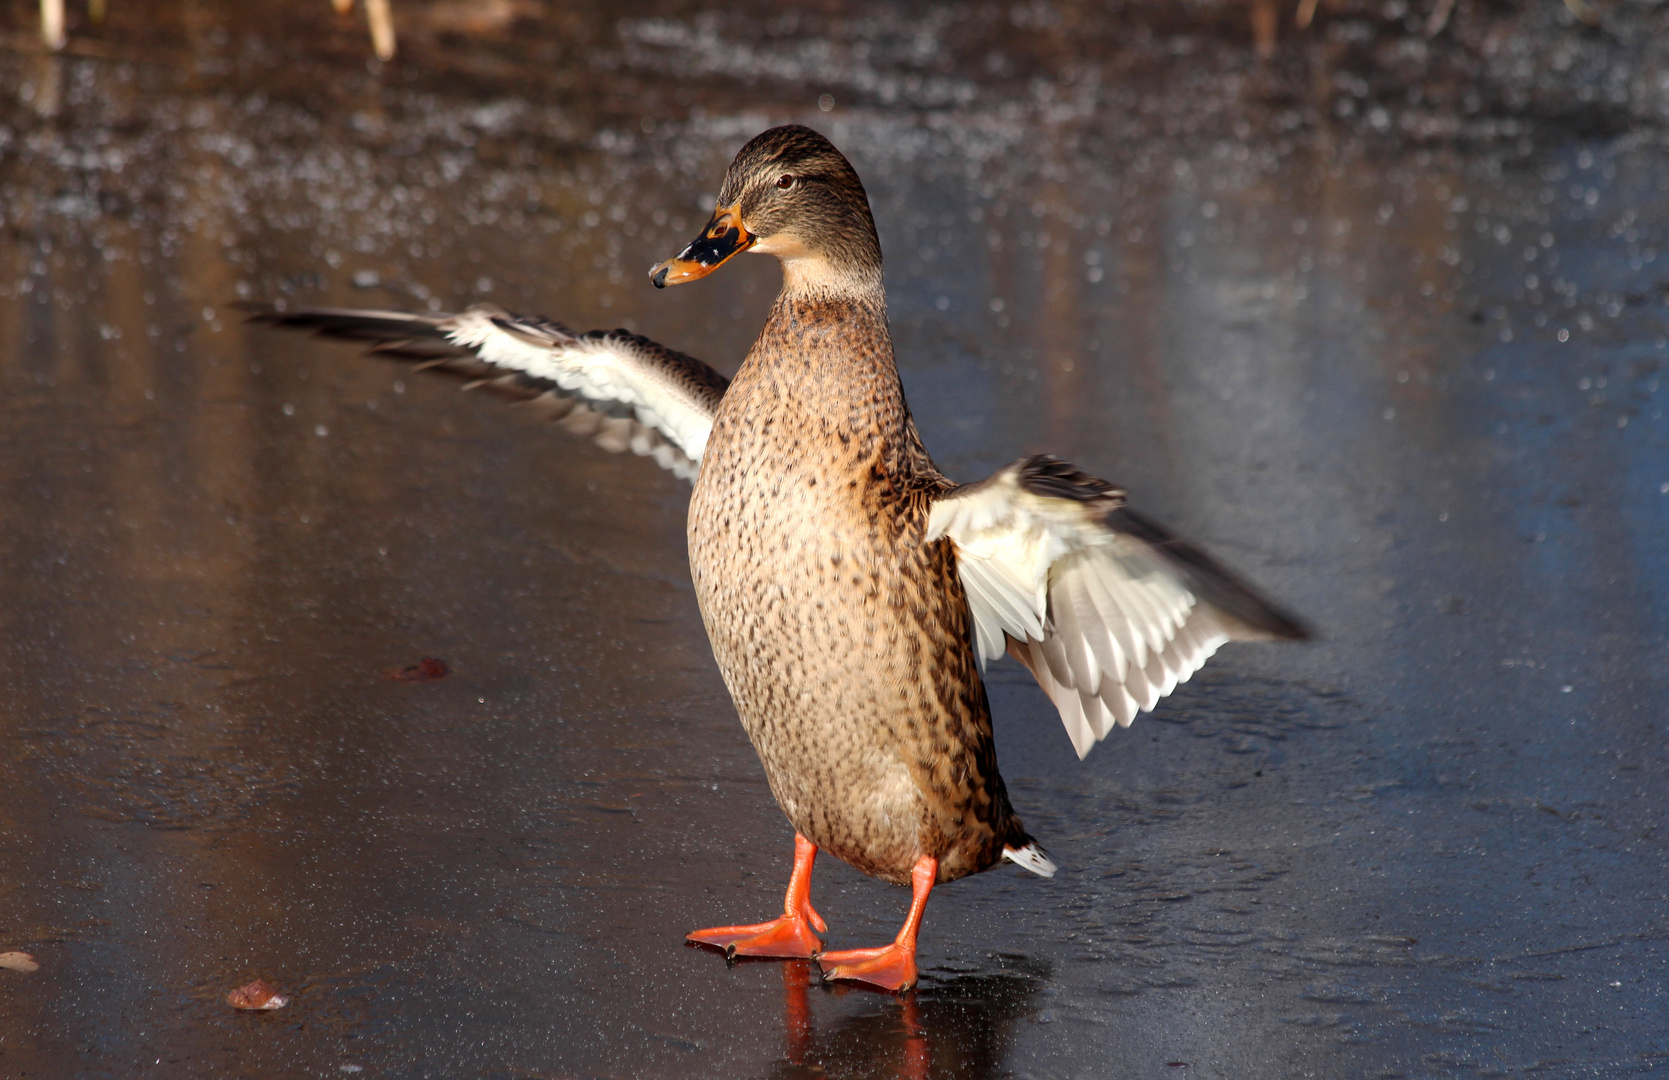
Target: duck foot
891,967
793,936
787,938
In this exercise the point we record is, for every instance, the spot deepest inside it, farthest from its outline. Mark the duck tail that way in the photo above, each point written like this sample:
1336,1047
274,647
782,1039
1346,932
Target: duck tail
1029,854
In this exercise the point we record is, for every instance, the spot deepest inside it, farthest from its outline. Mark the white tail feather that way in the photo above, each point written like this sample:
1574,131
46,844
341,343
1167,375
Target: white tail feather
1031,857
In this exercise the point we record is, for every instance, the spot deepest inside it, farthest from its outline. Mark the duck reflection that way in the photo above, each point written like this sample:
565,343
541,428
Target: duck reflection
956,1026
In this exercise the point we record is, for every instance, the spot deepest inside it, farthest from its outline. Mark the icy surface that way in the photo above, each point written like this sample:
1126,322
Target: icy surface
1382,322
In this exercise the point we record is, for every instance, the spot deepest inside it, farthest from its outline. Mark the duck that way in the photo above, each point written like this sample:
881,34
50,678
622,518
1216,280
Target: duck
852,593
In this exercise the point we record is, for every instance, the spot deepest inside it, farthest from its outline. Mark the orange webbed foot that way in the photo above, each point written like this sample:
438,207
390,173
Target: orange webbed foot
788,937
890,967
793,936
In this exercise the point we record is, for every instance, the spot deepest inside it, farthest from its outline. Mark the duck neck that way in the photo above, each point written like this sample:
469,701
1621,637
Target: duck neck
828,344
824,362
811,278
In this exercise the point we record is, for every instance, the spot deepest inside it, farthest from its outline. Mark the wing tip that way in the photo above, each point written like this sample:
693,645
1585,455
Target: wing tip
1265,622
1226,591
1292,628
378,327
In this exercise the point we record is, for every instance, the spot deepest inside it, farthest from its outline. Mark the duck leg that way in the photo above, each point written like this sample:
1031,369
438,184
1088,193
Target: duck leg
793,936
891,967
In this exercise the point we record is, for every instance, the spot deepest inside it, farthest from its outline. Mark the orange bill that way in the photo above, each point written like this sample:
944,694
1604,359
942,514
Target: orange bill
723,237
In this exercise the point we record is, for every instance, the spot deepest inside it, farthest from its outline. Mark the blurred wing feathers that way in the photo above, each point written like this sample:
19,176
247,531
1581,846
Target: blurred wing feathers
1108,610
622,391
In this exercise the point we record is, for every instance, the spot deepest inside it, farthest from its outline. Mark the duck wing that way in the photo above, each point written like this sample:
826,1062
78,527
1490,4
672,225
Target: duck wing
1108,609
619,389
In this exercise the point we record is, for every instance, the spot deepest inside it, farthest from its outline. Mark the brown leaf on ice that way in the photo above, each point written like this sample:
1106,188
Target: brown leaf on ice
257,995
18,961
425,670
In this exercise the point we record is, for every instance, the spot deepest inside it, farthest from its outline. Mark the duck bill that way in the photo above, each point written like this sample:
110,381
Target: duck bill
723,237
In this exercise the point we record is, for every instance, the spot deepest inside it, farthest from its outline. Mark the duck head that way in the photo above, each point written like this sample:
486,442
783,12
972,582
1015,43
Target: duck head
791,194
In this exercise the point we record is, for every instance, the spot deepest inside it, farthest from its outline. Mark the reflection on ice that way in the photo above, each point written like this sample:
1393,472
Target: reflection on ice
957,1025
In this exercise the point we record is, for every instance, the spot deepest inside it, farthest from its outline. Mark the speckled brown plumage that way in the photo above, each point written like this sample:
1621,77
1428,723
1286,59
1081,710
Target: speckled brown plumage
842,635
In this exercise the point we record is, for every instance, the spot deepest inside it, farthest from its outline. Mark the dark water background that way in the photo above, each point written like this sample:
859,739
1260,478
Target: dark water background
1382,322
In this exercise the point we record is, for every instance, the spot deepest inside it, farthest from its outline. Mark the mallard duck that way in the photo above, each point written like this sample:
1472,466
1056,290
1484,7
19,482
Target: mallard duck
851,592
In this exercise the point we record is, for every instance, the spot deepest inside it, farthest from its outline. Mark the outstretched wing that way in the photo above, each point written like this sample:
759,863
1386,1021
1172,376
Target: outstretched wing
621,390
1108,609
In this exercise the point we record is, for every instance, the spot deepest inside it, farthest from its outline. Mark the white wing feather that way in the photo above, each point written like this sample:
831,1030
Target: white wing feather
623,391
601,370
1104,624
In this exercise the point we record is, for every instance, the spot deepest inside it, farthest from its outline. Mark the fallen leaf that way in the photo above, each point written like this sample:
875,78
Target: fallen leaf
18,961
425,670
257,995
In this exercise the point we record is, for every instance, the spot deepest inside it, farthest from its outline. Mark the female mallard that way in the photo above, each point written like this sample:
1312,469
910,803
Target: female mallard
852,593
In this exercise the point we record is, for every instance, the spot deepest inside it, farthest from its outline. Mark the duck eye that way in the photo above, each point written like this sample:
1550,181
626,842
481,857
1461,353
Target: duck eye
786,180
